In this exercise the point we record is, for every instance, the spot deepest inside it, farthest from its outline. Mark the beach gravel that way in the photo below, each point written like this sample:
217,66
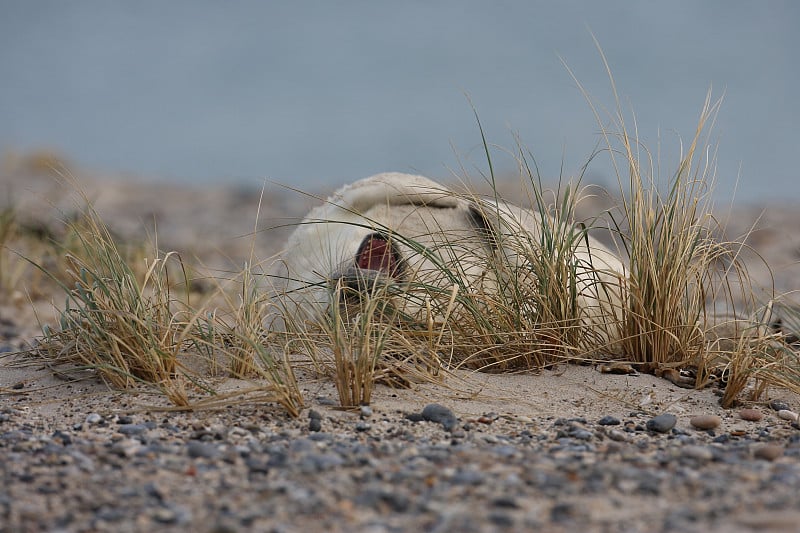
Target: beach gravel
253,468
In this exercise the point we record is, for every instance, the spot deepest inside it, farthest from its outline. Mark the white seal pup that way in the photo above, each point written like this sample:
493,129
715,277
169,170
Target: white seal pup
405,228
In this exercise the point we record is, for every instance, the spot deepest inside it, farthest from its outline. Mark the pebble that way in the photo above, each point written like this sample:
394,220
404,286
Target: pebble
126,447
365,411
165,516
314,421
662,423
132,429
199,449
581,434
779,405
434,412
617,435
609,421
768,452
93,418
751,415
705,421
699,453
786,414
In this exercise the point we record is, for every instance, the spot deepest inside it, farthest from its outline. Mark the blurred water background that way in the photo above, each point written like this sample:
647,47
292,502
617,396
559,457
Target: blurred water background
317,93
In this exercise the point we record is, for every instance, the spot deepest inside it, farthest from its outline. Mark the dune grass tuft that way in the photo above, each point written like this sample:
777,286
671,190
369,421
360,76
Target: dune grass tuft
124,326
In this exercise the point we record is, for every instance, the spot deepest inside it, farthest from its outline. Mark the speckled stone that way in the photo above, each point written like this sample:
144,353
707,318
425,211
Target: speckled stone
751,415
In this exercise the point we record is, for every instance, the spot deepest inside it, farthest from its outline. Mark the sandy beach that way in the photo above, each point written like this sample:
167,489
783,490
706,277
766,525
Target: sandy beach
566,449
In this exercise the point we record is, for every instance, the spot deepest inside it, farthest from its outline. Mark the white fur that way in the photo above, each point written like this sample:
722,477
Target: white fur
326,242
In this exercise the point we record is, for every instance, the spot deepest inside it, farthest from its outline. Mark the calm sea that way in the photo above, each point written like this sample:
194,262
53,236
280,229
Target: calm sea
310,93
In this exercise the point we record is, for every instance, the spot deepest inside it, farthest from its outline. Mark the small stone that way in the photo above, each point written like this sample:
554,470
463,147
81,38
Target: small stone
786,414
698,453
362,426
501,520
433,412
751,415
93,418
507,502
705,421
315,424
768,452
165,516
314,415
581,434
126,447
256,466
132,429
324,400
662,423
609,421
199,449
779,405
365,411
617,435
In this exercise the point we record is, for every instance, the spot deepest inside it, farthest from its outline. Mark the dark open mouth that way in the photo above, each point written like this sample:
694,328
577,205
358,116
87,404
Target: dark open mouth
377,262
376,253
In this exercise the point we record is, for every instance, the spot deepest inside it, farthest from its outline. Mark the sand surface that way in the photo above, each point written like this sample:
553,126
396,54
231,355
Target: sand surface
218,226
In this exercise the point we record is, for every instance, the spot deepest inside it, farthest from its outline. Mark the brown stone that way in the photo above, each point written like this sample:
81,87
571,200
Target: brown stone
751,415
768,452
705,421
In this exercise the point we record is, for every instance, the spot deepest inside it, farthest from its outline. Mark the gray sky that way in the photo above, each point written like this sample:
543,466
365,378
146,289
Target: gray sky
308,93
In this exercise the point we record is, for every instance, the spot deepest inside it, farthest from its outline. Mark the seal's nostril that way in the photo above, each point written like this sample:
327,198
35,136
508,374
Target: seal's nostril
376,253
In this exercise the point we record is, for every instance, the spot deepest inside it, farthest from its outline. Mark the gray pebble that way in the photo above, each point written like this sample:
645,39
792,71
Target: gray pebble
581,434
257,466
132,429
324,400
315,424
302,445
320,462
199,449
662,423
609,421
377,498
779,405
93,418
468,477
501,520
433,412
365,411
126,447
